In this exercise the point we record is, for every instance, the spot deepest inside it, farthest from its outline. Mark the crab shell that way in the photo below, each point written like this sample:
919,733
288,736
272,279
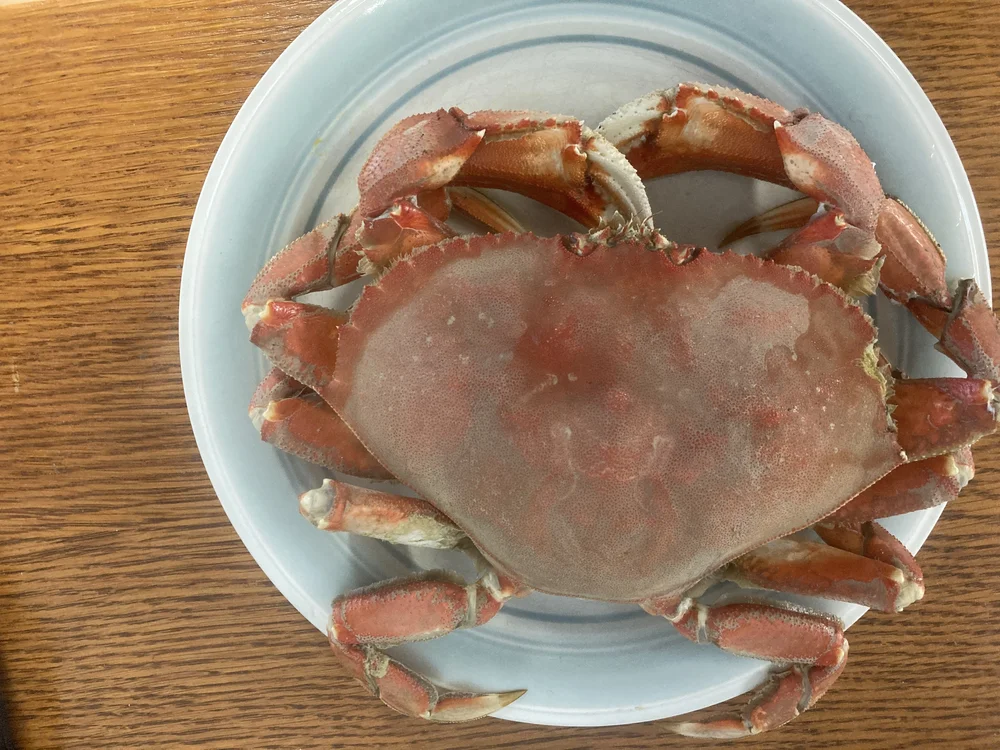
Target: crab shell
604,422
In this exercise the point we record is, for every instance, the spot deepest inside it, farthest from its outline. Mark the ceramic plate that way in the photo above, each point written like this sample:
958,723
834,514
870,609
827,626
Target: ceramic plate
291,159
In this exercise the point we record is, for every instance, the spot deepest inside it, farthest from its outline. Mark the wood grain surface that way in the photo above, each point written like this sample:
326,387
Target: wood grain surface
131,615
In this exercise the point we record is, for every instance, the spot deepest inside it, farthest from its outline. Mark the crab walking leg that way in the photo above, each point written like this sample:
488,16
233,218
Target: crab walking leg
873,541
483,209
296,420
792,215
304,265
939,415
300,339
336,506
810,648
416,609
914,486
813,569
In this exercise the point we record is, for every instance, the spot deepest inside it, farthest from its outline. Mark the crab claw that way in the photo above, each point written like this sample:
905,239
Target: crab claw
697,127
421,152
824,161
553,159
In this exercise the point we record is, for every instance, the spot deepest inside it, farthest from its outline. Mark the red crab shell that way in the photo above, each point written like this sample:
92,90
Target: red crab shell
605,423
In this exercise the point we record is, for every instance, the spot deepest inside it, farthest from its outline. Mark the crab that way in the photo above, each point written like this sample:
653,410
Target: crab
605,414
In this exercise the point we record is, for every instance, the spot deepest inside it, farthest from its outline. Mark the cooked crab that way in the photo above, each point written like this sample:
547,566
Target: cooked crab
608,416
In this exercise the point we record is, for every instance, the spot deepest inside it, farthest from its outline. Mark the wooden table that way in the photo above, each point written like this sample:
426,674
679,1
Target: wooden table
130,613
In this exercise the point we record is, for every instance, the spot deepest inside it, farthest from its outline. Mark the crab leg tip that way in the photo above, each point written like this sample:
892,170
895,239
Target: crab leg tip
452,708
315,505
721,729
252,315
791,215
258,415
910,591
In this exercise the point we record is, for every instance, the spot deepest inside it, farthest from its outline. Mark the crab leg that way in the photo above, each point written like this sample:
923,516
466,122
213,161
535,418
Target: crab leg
792,215
935,416
810,648
844,574
914,486
475,204
337,506
419,608
300,340
871,540
294,419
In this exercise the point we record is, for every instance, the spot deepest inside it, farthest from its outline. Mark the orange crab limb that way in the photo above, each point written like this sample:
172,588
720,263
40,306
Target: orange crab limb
812,646
421,152
406,191
294,419
784,696
940,415
914,264
475,204
814,569
824,161
873,541
835,251
398,230
697,127
971,335
792,215
694,127
415,609
300,339
304,265
553,159
337,506
915,486
412,694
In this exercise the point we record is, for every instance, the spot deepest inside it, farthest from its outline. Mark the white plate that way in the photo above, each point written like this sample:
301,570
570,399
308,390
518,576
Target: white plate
291,158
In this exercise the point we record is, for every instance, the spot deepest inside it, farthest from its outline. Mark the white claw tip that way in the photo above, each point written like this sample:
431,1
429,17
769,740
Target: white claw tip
258,416
702,732
252,315
911,591
316,504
